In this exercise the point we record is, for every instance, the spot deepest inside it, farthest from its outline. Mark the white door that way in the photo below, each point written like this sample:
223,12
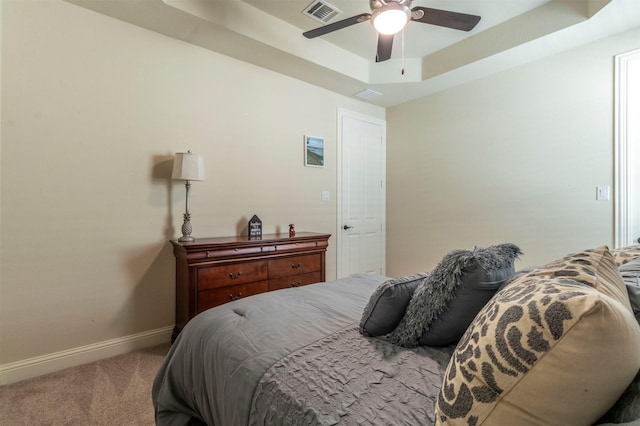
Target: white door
627,149
361,194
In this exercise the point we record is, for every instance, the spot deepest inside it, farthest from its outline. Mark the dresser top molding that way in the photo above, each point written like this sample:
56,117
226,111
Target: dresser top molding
229,247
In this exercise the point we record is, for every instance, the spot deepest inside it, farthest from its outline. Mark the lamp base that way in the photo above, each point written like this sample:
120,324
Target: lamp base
186,229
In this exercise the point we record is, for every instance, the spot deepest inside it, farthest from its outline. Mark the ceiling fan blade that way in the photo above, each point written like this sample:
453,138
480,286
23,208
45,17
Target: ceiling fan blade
445,18
337,25
385,43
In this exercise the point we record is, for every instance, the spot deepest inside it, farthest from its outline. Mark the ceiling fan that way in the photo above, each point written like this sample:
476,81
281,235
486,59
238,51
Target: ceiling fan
390,16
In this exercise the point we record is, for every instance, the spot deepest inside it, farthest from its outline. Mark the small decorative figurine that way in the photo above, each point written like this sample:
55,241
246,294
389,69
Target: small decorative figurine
292,230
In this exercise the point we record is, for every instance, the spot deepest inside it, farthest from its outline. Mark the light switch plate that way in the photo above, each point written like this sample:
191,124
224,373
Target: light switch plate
326,196
602,193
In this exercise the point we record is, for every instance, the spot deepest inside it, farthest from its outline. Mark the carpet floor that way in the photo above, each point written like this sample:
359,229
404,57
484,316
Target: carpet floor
112,391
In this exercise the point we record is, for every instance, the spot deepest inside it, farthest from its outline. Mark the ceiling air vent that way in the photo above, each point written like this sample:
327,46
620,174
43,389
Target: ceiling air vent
368,94
321,11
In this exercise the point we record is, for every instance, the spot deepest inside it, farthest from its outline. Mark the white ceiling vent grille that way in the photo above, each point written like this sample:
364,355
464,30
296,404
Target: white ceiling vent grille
322,11
368,94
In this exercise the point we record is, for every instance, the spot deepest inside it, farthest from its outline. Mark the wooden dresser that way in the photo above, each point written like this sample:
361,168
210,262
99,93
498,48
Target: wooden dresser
213,271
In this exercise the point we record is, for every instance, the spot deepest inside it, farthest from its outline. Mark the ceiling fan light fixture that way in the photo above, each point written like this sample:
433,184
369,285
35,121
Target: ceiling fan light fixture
390,18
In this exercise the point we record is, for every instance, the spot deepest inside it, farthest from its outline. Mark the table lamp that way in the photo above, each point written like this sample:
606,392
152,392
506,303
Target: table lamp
187,167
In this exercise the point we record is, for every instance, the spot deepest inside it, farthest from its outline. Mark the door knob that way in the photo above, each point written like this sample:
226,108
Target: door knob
347,227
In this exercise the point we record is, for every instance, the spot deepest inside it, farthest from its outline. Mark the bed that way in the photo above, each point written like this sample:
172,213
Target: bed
555,344
296,356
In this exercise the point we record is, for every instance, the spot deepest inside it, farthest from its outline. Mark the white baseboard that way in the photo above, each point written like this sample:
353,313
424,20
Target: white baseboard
45,364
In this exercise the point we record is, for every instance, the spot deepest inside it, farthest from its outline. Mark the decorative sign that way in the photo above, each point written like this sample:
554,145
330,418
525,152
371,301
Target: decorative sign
255,228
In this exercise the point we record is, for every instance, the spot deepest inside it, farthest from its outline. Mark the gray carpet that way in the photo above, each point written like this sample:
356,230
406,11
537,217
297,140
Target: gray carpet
113,391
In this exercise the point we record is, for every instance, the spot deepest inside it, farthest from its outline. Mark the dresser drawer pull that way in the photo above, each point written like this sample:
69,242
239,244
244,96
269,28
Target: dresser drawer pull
298,284
236,297
295,265
234,276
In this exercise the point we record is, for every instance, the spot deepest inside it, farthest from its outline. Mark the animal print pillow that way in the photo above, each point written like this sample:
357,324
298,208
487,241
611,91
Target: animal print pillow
626,254
556,346
630,273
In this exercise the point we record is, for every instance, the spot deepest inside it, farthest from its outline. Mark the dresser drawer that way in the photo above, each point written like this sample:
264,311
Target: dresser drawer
210,298
294,265
294,281
231,274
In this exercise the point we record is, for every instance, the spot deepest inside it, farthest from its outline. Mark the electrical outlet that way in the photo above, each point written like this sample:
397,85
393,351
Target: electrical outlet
325,196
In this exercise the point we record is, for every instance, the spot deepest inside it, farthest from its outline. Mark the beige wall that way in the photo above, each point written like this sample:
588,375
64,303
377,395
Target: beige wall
93,110
514,157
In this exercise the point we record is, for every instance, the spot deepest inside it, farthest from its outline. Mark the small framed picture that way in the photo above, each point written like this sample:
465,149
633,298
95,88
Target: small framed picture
313,151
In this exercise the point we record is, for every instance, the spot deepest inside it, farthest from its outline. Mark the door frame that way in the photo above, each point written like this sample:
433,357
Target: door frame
341,114
621,172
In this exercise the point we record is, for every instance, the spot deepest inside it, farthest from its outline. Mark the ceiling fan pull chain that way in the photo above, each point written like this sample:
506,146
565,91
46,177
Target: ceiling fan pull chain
402,71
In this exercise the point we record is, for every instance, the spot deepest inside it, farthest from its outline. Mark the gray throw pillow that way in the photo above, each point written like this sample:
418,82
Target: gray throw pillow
444,305
387,305
631,276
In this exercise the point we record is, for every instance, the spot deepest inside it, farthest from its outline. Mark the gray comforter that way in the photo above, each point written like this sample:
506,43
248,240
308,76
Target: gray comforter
295,356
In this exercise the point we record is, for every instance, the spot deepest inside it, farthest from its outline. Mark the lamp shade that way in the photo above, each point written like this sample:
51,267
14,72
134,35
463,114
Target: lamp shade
391,18
188,166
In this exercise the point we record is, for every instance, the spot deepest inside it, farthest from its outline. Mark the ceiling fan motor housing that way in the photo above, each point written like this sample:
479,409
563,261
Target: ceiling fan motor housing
377,4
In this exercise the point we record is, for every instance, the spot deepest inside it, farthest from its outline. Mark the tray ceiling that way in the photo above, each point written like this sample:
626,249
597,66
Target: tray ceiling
268,33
